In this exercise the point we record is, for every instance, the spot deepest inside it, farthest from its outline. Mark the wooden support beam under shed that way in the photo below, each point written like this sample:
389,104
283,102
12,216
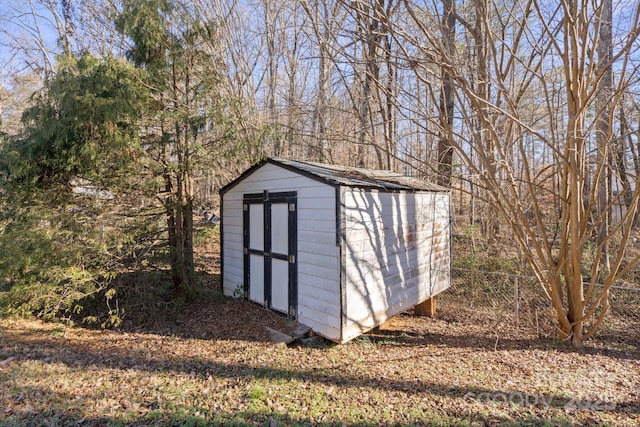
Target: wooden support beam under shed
426,308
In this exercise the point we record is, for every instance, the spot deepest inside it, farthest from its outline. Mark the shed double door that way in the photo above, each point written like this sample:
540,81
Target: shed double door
270,233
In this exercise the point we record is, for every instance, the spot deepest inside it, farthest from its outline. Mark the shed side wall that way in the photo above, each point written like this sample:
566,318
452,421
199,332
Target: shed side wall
318,254
397,254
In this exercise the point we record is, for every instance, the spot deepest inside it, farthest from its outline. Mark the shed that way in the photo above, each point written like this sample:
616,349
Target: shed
339,249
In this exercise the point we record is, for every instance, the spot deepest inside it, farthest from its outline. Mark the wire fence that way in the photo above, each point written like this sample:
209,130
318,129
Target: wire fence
520,300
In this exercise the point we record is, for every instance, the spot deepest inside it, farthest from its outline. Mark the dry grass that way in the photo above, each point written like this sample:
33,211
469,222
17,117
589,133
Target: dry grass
214,365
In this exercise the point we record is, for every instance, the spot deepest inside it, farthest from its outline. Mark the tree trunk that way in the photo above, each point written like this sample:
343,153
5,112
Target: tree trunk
626,139
603,127
390,112
445,149
179,208
320,113
271,22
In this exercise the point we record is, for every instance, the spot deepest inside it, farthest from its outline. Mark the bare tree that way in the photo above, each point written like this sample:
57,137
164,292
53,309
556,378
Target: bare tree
534,48
94,29
604,136
37,30
445,149
325,20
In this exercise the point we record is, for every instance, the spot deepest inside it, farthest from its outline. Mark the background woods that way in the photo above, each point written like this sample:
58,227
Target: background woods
527,109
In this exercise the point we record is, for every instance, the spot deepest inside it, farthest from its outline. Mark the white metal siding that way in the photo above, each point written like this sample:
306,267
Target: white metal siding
318,254
396,254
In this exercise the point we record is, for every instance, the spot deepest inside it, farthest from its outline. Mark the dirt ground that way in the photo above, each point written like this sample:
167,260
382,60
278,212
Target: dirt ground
215,365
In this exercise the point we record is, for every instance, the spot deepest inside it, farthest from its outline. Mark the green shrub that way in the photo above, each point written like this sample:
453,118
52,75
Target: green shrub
61,258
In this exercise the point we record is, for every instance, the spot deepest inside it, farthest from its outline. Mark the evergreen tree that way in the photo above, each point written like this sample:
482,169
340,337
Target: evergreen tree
178,52
83,126
85,121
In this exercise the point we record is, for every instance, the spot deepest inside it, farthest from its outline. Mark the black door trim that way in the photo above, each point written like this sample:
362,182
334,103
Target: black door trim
267,199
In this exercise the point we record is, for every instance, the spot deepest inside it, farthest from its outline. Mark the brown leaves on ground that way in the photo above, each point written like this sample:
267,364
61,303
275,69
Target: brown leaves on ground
215,365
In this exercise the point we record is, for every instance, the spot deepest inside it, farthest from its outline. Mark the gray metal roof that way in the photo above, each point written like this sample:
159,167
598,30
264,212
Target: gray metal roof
358,177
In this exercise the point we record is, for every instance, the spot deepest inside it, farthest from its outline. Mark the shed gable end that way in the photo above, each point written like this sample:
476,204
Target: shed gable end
318,299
